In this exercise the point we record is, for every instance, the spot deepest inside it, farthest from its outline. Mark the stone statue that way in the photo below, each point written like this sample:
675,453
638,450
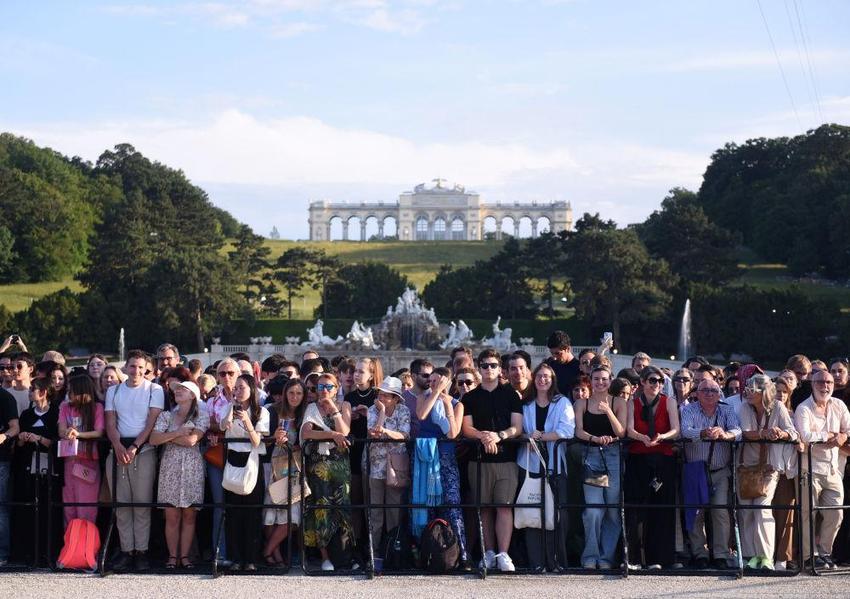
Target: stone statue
432,317
361,336
501,340
459,334
316,336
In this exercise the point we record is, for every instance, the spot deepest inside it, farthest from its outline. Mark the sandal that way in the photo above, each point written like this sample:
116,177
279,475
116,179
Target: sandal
271,561
171,563
186,562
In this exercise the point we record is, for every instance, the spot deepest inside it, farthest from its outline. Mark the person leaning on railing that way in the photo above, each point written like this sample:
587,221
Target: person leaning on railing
763,418
650,475
601,422
710,425
824,422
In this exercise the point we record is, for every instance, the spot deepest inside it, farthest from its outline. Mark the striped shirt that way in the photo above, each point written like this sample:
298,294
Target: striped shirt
694,421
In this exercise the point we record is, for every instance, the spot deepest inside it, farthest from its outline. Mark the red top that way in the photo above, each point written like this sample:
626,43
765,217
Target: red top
662,425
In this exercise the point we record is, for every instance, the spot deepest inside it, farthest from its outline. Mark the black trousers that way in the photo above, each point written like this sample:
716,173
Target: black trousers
244,526
652,531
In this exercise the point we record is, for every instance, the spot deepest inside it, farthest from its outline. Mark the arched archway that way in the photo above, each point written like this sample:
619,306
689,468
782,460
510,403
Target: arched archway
354,223
372,228
524,227
490,228
458,229
439,228
508,226
421,233
390,226
337,230
544,225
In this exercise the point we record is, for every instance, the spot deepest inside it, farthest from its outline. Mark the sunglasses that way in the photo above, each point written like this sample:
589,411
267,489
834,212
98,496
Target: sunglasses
424,375
465,382
585,362
654,380
5,367
18,366
488,365
227,373
325,387
711,391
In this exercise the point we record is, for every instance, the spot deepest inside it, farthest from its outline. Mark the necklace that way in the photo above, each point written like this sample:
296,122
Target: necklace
363,395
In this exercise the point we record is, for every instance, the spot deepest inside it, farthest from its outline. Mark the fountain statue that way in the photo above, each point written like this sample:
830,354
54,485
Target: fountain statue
316,336
685,343
410,325
459,334
501,339
361,337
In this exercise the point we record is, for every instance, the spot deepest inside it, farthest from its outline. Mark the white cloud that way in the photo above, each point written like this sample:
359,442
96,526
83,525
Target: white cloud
307,157
287,30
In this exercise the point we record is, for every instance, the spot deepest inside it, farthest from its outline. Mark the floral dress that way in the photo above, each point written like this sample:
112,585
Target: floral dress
328,472
181,469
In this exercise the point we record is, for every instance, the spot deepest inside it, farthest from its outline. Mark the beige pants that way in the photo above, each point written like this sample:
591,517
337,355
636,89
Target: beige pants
826,490
758,528
379,492
719,521
134,484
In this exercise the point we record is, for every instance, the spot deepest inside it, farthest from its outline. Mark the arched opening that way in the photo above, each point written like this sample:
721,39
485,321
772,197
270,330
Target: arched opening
440,229
490,228
543,225
372,228
524,228
354,229
458,229
336,228
421,228
508,226
390,227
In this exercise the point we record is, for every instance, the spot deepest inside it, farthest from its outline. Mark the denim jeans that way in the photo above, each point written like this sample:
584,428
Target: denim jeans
5,486
215,476
602,525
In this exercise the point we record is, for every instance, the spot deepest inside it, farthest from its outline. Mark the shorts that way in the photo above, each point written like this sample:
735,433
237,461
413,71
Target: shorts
498,482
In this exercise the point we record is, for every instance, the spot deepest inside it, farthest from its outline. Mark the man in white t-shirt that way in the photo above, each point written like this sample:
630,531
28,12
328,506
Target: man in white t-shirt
130,412
23,366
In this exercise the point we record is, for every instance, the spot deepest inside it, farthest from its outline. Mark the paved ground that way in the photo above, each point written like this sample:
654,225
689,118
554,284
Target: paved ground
65,586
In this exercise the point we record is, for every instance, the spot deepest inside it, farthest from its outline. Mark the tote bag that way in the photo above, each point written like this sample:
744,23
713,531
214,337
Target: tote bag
241,480
530,492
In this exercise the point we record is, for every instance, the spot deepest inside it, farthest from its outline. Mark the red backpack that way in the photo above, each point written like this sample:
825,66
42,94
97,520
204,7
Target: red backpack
82,542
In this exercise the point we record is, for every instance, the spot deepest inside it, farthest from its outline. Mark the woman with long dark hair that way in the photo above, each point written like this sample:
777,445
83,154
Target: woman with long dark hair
249,421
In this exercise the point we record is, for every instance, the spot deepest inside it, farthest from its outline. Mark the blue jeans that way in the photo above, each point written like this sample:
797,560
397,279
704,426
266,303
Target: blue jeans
602,525
5,472
215,476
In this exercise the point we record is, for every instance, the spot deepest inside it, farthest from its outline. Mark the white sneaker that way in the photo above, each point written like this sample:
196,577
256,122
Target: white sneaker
489,560
327,566
779,566
505,563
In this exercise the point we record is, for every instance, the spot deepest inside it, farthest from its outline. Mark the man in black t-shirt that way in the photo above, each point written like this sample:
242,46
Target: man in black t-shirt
562,361
492,414
9,429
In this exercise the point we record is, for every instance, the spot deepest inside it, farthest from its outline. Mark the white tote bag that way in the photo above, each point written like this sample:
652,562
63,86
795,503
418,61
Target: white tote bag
242,480
530,492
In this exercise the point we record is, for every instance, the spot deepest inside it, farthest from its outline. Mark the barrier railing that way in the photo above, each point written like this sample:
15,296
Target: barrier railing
37,503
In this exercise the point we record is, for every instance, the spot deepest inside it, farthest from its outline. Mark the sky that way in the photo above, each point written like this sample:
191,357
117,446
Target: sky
270,104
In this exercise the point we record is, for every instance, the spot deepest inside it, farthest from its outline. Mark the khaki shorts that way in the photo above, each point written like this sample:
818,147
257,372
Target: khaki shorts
498,482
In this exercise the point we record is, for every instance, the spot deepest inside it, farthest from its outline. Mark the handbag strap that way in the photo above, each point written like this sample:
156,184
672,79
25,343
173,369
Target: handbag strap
762,446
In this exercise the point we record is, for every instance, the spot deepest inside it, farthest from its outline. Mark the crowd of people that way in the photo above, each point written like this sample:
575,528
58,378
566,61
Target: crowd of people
335,460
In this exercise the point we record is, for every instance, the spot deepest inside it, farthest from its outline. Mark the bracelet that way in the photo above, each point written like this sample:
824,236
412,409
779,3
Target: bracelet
335,414
133,446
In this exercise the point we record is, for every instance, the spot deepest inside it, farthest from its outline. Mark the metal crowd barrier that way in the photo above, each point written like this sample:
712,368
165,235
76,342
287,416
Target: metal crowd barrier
307,504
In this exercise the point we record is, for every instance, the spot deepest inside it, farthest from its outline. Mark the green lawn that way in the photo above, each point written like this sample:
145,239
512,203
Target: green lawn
775,276
19,296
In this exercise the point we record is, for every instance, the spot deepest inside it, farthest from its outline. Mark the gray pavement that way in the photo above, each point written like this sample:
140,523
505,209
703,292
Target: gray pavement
65,586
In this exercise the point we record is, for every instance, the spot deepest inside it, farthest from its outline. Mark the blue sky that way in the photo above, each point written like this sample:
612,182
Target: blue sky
268,104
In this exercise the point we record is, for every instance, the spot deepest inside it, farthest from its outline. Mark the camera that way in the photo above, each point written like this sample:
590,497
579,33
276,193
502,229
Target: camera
15,338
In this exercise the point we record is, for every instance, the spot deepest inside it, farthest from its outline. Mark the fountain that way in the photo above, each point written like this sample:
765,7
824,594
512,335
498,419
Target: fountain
121,345
409,326
685,342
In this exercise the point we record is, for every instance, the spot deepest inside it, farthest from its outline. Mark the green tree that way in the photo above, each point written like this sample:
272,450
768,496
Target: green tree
292,271
361,290
324,271
250,258
544,256
696,249
51,322
614,278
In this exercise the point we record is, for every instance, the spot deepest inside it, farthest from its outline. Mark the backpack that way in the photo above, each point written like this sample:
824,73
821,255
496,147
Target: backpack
82,542
438,549
398,549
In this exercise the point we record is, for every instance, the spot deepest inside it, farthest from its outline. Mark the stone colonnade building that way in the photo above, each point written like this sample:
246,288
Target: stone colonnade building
437,213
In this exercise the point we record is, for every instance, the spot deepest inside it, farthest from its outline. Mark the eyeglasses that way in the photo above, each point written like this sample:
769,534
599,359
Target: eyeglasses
465,382
325,387
824,383
424,375
585,362
18,366
488,365
710,391
227,373
682,379
311,388
654,380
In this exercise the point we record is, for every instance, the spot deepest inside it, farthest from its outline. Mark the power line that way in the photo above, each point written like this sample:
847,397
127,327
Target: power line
804,36
779,64
798,47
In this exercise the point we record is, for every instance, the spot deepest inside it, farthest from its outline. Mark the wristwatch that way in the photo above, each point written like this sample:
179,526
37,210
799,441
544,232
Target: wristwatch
503,435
